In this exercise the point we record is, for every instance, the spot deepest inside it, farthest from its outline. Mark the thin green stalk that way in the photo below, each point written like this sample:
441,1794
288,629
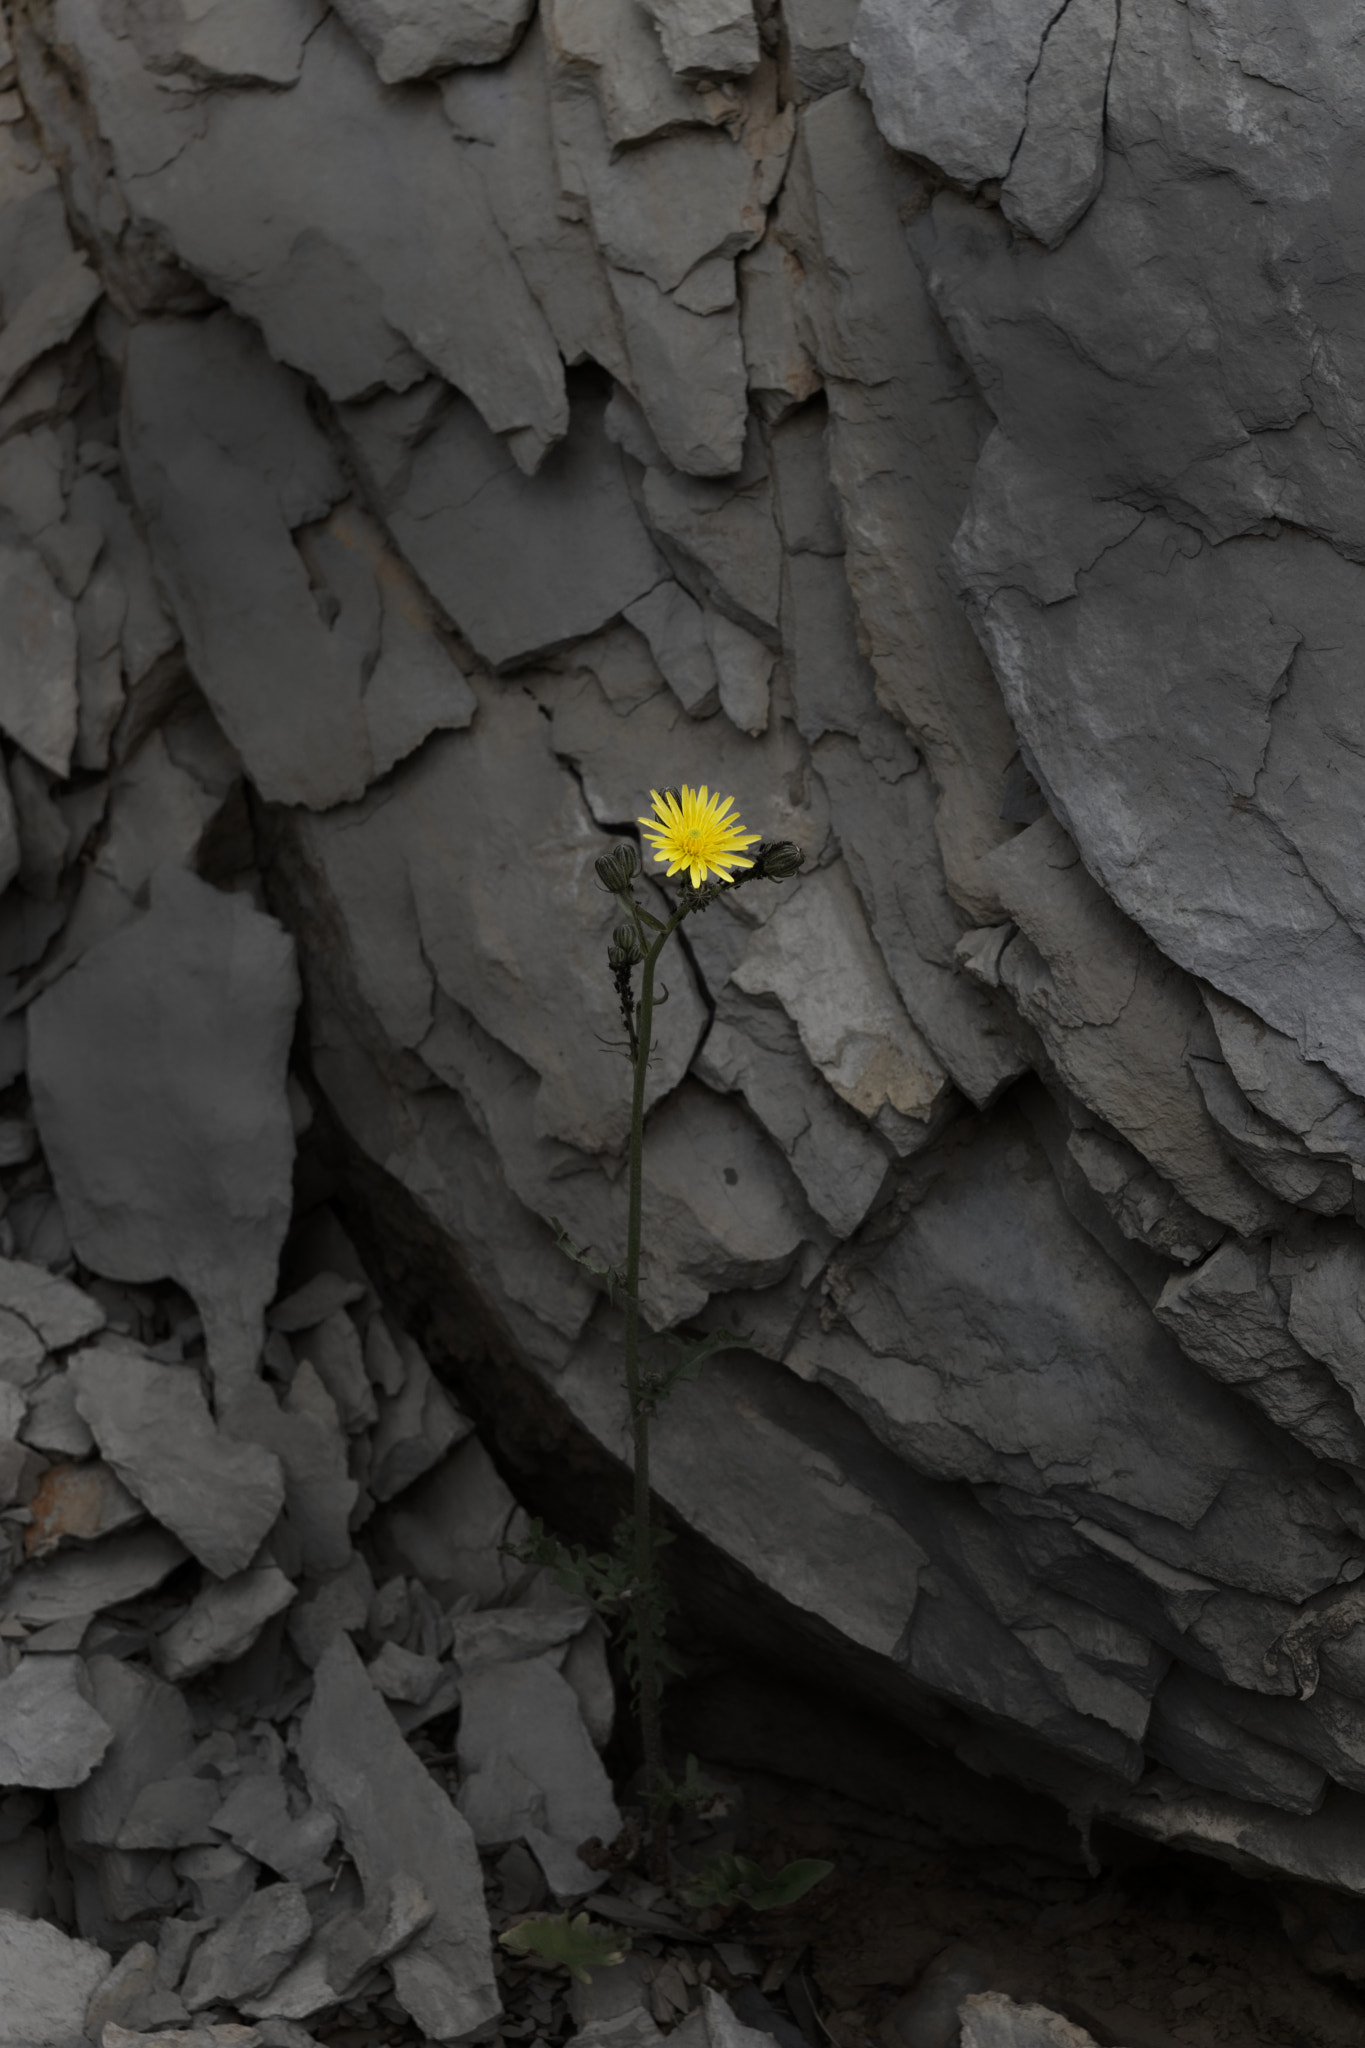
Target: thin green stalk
645,1630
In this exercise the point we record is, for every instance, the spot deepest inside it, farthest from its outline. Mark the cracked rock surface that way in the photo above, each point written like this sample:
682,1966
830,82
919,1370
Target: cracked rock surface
422,432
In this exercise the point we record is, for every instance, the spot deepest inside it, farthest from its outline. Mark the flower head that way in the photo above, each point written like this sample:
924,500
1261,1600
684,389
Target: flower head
692,829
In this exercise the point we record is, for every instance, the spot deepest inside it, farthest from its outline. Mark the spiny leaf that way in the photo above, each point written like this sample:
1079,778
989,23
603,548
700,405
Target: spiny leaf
574,1945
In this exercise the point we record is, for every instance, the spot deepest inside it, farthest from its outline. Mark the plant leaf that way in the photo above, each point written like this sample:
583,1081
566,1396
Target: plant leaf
574,1945
728,1881
790,1884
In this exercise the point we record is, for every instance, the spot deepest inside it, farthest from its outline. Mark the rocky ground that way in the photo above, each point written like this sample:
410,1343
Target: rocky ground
285,1777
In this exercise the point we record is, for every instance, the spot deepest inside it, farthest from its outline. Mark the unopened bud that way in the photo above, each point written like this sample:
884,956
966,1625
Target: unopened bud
624,950
617,870
780,859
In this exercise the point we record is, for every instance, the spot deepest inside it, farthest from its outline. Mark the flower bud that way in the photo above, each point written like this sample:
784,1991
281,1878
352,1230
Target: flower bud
624,950
780,859
616,870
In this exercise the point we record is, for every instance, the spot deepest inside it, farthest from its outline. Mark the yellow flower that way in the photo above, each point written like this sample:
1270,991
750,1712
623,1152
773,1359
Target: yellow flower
694,830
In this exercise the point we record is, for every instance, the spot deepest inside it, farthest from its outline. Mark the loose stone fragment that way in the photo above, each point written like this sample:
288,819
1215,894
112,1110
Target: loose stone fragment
528,1769
48,1982
222,1622
153,1425
50,1734
163,1049
249,1951
397,1823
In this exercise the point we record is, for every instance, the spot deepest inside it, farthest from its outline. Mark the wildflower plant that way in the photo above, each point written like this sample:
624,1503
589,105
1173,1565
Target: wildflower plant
699,841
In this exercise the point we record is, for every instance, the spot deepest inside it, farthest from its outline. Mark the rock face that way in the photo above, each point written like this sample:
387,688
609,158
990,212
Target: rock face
943,429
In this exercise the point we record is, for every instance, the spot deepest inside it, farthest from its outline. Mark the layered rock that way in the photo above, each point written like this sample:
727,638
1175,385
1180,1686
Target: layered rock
419,437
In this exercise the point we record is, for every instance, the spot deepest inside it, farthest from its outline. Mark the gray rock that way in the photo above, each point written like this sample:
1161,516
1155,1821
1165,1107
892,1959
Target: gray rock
820,33
228,44
1272,1156
510,1635
49,315
417,1425
397,1823
22,1356
132,1996
713,2025
816,957
254,1945
332,1347
1118,1020
953,86
49,1980
1325,1314
727,535
340,1605
195,1005
883,804
344,1950
707,38
1059,164
403,1675
991,2020
639,222
507,113
688,370
38,704
528,1769
542,560
227,2035
1300,1095
1189,1735
222,1622
304,1433
78,1583
145,630
335,290
312,1303
153,1425
222,1879
620,50
754,1049
1142,1204
780,371
449,1529
171,1813
905,430
158,813
928,2016
730,1222
217,431
1227,1315
674,624
153,1735
50,1733
413,38
256,1818
60,1313
1209,1444
735,1438
31,480
409,682
497,796
744,667
1324,1728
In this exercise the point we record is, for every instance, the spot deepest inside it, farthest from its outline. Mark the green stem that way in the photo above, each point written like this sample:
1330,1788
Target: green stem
651,1727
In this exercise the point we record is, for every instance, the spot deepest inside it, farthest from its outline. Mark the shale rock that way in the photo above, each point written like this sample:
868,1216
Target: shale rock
425,431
